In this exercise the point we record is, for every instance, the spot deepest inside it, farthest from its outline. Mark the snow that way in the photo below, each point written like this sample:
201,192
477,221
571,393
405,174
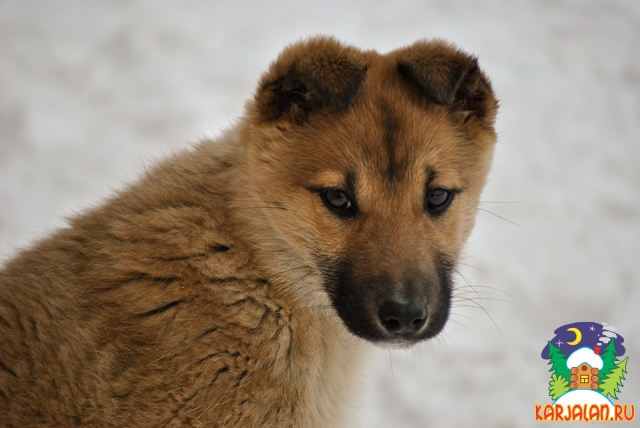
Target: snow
94,91
584,355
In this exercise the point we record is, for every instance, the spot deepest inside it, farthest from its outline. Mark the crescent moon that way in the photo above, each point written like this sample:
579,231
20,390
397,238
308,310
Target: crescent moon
578,336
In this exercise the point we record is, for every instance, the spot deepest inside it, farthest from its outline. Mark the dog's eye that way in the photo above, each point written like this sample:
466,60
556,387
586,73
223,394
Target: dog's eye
338,201
438,200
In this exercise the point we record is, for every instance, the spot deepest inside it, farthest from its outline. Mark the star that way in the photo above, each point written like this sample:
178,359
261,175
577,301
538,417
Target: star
593,328
559,343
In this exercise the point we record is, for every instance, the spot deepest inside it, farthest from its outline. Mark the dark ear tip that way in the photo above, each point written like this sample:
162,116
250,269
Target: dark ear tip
439,89
447,76
320,72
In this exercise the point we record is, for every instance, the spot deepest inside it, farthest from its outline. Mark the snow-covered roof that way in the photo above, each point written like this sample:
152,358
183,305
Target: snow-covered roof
584,355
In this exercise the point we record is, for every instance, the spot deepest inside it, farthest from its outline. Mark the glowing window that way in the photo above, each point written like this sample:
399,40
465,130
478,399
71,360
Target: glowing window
584,379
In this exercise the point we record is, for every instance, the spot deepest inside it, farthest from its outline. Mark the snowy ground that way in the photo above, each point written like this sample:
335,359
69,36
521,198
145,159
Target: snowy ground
90,92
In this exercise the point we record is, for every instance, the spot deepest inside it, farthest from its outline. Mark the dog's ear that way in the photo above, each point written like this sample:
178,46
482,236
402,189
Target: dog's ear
309,76
449,77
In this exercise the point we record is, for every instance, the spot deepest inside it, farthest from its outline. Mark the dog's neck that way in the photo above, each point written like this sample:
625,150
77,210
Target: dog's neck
326,360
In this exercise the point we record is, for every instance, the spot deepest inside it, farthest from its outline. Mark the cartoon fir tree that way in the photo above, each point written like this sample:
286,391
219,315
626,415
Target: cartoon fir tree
558,362
611,384
558,386
609,360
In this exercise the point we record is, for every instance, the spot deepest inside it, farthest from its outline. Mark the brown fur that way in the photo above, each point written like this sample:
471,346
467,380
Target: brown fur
209,293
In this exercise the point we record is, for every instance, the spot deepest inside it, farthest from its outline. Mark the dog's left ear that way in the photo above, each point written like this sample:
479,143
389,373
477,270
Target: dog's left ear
449,77
310,76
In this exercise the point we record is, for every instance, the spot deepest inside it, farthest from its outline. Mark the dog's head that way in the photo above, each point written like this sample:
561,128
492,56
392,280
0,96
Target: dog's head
368,169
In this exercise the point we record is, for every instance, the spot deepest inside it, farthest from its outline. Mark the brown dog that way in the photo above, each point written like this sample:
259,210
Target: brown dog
234,285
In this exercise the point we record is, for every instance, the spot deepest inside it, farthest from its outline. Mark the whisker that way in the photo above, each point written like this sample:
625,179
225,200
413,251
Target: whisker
485,289
470,285
469,290
500,202
490,299
474,304
473,267
459,314
500,217
459,323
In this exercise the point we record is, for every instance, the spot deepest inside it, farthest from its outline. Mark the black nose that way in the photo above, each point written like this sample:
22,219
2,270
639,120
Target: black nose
403,318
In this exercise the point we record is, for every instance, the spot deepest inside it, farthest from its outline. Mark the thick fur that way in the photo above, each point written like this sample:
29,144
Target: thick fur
220,290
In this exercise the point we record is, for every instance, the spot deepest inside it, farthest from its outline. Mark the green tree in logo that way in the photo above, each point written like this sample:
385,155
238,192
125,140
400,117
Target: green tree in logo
558,386
558,362
611,384
609,359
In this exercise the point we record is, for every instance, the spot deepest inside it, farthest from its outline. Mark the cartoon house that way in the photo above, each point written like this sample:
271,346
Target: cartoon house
584,365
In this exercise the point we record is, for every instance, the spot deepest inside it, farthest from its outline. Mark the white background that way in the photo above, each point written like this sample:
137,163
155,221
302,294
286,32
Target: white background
91,92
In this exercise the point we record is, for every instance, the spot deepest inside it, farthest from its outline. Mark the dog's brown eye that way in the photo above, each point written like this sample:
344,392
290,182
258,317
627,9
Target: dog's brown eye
339,202
438,200
338,199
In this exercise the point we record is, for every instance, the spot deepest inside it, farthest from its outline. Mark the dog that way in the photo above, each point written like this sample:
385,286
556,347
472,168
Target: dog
241,282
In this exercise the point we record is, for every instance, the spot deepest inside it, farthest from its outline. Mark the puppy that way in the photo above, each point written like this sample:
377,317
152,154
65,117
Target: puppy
240,283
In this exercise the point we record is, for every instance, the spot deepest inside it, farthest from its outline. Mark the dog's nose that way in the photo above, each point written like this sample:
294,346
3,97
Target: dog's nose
403,318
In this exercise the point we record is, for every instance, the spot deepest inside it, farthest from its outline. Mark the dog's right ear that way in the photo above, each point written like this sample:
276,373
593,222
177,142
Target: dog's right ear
310,76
